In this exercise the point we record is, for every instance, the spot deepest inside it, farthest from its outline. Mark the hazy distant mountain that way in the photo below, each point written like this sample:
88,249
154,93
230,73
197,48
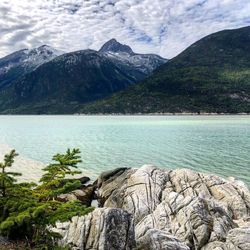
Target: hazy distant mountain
212,75
23,61
59,84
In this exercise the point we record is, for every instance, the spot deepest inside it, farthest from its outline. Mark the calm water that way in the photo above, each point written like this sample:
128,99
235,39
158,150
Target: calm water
217,144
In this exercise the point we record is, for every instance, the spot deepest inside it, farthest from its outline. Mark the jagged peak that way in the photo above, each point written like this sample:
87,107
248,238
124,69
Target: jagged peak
114,46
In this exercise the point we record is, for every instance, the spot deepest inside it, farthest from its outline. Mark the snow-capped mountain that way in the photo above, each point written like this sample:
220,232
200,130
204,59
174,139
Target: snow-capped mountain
40,55
146,63
23,61
44,80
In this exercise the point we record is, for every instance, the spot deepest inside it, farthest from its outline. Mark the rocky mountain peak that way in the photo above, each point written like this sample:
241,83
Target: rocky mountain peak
114,46
46,50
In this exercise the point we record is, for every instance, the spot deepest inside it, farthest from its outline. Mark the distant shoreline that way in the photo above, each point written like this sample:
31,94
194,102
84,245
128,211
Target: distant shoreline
135,114
165,114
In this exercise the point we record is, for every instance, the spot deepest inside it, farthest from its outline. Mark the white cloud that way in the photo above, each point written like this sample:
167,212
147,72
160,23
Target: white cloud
164,27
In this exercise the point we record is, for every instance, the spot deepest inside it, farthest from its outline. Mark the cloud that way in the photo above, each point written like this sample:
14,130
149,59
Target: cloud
164,27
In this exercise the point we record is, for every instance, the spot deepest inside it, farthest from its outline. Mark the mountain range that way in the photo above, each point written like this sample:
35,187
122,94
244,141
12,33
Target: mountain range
212,75
44,80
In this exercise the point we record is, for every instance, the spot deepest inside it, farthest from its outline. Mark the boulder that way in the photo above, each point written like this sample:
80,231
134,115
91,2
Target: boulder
84,180
85,195
110,186
182,208
66,197
110,175
102,229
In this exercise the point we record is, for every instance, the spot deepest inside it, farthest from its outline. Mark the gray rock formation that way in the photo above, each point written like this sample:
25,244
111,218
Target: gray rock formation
180,209
103,229
163,209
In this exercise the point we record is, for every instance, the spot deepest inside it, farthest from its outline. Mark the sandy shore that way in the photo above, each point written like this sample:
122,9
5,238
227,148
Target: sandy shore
31,170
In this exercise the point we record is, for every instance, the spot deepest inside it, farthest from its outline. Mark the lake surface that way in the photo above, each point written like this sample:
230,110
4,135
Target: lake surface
214,144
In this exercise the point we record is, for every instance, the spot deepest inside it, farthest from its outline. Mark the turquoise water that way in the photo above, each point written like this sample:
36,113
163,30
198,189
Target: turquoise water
215,144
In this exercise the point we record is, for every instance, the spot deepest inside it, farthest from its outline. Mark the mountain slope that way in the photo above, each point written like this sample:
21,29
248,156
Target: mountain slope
69,80
24,61
212,75
145,63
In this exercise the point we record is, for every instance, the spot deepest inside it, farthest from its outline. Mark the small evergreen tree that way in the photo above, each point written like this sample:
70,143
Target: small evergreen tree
27,209
53,182
7,178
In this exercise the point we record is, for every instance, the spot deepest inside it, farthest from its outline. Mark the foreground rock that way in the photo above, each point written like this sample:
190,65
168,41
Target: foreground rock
103,229
181,206
164,209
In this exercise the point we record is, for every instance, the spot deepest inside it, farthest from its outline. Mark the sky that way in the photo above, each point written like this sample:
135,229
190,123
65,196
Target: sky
164,27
